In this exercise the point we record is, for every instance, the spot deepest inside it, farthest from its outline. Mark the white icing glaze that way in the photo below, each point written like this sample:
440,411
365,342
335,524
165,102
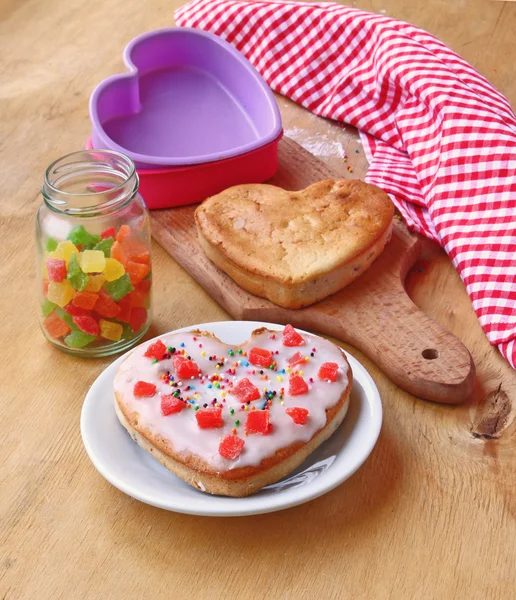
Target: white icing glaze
181,429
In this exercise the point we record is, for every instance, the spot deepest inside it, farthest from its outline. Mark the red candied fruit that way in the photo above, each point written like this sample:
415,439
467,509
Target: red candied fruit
75,311
245,391
171,405
295,360
107,233
138,318
209,418
125,309
156,350
185,368
231,446
328,371
87,324
291,337
299,415
260,357
85,300
297,386
258,422
105,306
136,271
56,269
143,389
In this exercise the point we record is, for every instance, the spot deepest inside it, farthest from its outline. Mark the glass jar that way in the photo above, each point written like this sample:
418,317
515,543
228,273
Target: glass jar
93,250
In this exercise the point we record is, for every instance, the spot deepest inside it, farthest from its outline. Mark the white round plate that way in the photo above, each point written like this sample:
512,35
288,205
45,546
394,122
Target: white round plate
129,468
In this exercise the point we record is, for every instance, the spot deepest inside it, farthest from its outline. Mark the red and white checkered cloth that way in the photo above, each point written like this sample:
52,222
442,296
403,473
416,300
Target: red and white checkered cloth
439,138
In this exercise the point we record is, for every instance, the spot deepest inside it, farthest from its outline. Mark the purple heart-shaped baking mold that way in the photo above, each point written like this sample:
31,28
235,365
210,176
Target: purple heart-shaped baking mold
189,98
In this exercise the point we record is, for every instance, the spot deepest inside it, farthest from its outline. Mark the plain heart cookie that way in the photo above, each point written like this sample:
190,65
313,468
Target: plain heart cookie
295,248
230,420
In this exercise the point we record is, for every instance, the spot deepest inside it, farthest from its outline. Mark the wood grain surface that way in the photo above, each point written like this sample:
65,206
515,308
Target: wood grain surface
374,314
432,512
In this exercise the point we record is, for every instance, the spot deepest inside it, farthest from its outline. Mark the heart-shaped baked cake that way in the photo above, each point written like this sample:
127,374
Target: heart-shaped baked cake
227,419
295,248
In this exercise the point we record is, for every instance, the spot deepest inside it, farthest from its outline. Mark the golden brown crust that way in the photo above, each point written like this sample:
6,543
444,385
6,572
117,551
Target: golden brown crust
295,248
240,481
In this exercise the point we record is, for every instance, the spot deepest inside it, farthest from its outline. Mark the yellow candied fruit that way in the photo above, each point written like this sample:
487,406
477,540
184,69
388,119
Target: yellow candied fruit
95,282
114,269
64,251
110,331
203,353
301,372
60,293
93,261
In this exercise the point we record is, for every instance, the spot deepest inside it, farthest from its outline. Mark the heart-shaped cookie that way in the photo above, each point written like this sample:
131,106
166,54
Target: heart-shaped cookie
232,419
295,248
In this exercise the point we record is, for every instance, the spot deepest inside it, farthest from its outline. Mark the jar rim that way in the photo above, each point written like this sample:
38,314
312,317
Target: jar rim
110,162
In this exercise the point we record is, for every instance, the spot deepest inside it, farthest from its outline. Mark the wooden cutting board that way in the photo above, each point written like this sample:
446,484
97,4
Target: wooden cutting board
374,313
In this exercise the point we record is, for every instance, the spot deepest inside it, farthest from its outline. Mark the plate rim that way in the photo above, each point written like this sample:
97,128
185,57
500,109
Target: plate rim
257,504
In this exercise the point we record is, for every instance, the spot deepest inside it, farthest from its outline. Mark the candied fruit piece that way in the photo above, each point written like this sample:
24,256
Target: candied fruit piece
76,277
79,235
85,300
123,232
258,422
60,293
114,269
136,271
185,368
105,306
93,261
245,391
55,327
297,386
298,415
105,246
135,250
143,286
328,371
138,318
87,324
75,311
108,233
47,307
79,339
110,331
143,389
291,337
125,309
156,350
117,252
138,298
51,244
56,269
64,251
209,418
119,288
171,405
260,357
295,360
94,283
231,447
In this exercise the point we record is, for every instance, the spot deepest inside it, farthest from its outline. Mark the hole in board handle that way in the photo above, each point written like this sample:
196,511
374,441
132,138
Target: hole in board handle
430,353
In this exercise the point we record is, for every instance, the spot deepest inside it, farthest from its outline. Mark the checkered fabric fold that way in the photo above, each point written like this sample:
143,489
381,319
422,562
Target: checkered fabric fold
440,140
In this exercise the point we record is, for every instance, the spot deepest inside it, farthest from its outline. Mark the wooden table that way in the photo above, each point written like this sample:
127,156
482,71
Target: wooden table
432,512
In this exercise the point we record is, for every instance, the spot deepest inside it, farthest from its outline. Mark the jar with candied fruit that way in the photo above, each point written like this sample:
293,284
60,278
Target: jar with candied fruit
93,251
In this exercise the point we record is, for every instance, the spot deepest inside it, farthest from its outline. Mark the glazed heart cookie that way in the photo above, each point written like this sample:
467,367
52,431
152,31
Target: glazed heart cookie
295,248
230,420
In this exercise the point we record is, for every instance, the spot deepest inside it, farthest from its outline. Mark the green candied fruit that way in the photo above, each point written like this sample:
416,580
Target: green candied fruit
79,235
119,288
76,277
68,319
51,244
88,246
79,339
47,307
105,246
127,333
